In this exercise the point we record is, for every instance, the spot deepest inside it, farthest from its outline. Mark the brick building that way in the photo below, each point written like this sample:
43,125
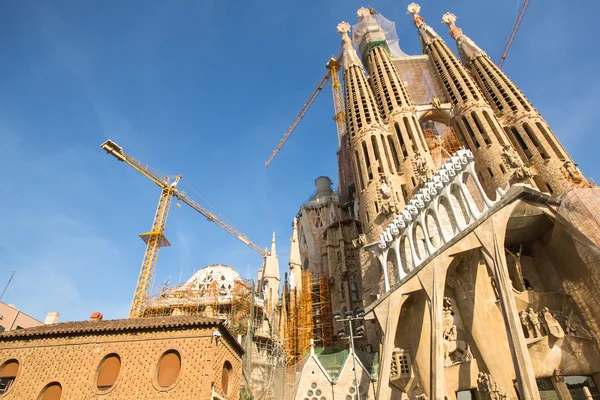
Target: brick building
143,358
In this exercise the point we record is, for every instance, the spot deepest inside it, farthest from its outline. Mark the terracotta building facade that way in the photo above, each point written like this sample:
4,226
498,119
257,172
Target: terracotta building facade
143,358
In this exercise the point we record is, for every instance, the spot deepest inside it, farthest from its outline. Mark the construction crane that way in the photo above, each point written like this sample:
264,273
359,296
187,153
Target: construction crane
333,67
513,31
155,239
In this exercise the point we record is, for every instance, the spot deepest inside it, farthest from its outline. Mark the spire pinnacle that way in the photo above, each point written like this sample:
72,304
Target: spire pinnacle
273,249
467,49
349,56
415,9
426,32
449,19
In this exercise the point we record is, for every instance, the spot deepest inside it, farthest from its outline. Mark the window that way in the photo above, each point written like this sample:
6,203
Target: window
466,394
108,372
8,374
52,391
342,290
169,367
225,377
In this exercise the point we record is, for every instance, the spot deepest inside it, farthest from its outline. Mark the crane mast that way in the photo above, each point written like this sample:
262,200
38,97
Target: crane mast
513,32
155,239
333,67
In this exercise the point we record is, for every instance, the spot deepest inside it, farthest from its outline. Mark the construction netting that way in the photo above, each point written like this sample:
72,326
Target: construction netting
423,86
575,244
389,30
288,379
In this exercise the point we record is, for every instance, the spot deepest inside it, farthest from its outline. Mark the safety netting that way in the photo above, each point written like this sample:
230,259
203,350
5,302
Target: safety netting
389,30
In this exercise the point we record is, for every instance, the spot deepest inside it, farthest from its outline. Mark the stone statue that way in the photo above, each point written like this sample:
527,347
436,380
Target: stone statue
525,323
535,322
487,384
512,160
574,327
455,351
553,325
572,172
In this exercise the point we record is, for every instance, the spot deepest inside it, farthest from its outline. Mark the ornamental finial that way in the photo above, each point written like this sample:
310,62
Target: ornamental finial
449,19
363,12
343,27
414,9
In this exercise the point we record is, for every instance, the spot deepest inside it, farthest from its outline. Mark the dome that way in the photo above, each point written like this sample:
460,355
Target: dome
223,275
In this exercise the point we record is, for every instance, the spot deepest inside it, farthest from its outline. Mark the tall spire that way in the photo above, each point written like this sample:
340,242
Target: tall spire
552,168
272,262
467,49
295,262
473,118
410,157
349,56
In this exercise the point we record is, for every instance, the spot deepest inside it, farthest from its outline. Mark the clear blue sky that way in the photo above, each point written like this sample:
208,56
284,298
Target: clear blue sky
206,89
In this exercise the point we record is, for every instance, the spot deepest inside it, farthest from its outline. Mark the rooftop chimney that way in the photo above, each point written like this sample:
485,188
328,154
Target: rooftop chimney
51,318
96,316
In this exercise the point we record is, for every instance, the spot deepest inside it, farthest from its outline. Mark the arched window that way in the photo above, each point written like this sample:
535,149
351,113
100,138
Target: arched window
8,374
169,367
108,372
52,391
227,368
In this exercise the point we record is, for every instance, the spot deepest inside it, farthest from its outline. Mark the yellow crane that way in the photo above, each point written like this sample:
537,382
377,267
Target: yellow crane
333,68
155,239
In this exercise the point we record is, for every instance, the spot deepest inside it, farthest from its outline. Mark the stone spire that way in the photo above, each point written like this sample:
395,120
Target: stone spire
295,262
368,143
473,118
272,262
410,156
349,56
538,148
467,49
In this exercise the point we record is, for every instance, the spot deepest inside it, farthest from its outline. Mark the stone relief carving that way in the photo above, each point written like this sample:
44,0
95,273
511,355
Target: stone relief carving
421,168
487,384
455,351
514,163
385,196
555,323
572,172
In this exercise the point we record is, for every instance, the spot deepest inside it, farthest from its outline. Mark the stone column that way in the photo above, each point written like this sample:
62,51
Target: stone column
437,342
491,235
562,392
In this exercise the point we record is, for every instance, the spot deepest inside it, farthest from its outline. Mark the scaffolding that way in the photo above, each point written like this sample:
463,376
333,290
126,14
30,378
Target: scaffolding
299,327
321,312
442,141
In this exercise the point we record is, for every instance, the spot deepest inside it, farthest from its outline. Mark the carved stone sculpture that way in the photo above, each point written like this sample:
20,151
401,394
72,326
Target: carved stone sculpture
572,172
487,384
553,325
526,324
455,351
535,322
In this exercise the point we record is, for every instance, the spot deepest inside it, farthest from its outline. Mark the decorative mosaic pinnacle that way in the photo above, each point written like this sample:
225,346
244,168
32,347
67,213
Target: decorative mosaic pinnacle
448,19
363,12
414,9
343,28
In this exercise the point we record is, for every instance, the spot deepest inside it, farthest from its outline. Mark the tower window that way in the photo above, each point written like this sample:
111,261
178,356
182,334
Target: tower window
550,140
494,127
376,154
502,169
394,153
401,140
367,160
479,125
490,172
535,141
521,142
471,133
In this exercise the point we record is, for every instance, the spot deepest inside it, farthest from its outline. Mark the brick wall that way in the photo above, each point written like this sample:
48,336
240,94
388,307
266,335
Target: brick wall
74,360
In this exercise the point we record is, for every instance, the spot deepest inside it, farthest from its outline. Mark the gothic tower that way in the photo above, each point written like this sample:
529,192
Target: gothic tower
474,120
410,156
552,168
377,185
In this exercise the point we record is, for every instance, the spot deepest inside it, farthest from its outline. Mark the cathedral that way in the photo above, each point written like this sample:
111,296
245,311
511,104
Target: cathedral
458,258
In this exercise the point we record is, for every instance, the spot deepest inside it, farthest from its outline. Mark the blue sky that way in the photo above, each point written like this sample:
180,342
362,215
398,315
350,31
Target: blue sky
206,89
